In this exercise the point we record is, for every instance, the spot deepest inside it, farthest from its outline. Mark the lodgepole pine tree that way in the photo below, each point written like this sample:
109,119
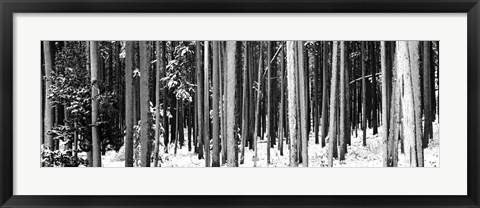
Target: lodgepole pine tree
215,106
303,103
200,125
364,96
160,70
343,126
324,124
427,100
206,106
144,104
245,105
257,107
96,149
230,102
333,107
292,112
48,111
129,104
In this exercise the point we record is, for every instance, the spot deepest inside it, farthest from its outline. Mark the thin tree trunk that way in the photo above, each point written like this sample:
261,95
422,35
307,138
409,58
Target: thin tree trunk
48,114
206,107
427,100
257,108
364,96
292,112
343,104
215,106
144,104
333,107
231,80
200,103
96,143
129,105
245,106
282,101
269,99
385,108
160,69
324,128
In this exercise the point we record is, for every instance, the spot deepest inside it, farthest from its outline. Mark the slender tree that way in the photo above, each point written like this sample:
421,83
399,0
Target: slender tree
303,103
257,107
129,104
343,126
269,99
48,113
160,70
364,96
144,104
282,101
200,125
427,100
245,105
96,143
215,106
292,112
231,143
333,107
206,106
324,128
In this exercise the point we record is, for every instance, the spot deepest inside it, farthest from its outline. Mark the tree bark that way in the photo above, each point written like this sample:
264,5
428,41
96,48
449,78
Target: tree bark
245,106
215,106
292,112
364,96
206,107
343,126
231,80
96,143
144,104
129,105
48,111
324,127
333,107
200,103
427,100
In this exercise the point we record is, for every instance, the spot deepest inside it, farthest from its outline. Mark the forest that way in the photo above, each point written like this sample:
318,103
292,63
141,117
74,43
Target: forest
240,104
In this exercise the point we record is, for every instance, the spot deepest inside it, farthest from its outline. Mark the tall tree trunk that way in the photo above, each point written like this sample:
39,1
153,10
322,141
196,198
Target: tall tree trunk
206,107
282,102
257,107
129,105
144,104
245,105
303,103
427,100
333,107
48,114
292,112
215,100
364,96
343,104
316,100
198,68
96,143
269,99
324,128
407,63
374,88
160,70
231,83
385,105
222,102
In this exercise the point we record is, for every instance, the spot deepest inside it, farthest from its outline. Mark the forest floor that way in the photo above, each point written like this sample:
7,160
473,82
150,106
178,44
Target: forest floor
357,154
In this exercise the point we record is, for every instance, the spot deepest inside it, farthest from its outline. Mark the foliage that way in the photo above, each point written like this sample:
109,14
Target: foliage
182,65
60,158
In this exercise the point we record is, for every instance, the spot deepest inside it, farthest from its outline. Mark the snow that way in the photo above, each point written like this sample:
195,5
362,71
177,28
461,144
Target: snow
357,154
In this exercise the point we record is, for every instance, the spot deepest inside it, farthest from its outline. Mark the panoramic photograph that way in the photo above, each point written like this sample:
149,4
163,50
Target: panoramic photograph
174,104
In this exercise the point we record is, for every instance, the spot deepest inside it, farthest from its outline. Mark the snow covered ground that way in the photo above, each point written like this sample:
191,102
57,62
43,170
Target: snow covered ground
357,155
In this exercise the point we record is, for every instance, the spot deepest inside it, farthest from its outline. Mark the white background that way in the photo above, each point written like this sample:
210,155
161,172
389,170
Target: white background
449,29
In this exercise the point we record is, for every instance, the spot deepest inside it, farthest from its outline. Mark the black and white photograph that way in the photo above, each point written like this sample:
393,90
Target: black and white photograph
227,103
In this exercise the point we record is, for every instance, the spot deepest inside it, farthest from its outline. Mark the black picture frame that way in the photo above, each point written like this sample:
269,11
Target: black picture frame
9,7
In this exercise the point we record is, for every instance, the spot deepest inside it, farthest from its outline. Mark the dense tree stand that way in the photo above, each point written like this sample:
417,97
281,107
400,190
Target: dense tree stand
240,104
